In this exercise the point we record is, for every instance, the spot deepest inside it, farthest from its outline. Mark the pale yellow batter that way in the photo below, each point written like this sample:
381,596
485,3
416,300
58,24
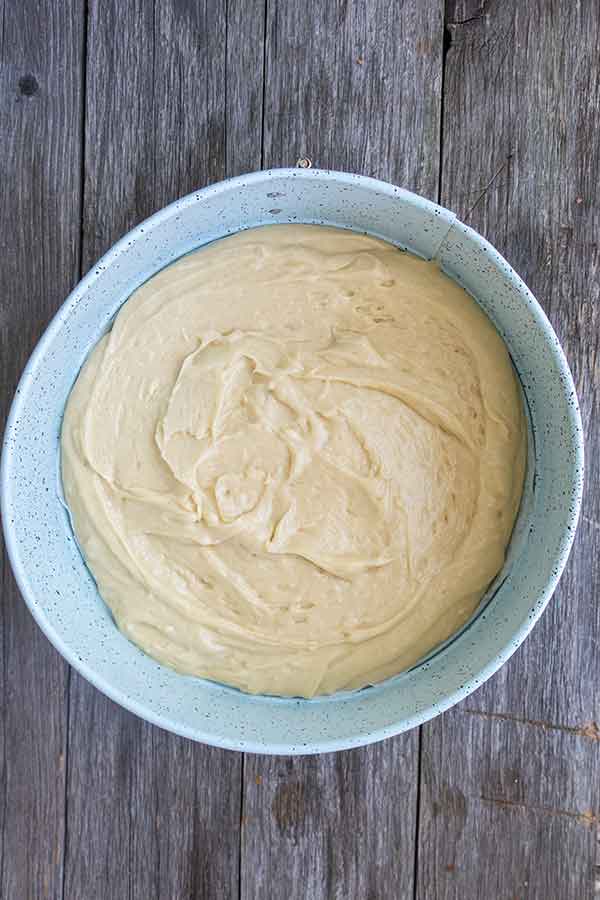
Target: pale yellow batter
295,462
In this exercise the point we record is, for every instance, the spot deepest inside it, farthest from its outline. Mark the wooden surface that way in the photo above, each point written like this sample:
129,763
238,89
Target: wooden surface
40,211
108,110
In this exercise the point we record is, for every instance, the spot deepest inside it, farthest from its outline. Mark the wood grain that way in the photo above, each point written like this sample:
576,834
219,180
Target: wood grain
335,826
507,810
520,156
40,146
356,86
150,815
245,85
368,101
155,129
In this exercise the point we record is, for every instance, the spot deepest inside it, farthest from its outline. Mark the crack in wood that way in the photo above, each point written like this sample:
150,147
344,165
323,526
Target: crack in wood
489,184
468,20
460,22
589,730
587,817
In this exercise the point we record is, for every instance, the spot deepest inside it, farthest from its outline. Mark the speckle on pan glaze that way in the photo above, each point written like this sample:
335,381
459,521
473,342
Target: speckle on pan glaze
61,593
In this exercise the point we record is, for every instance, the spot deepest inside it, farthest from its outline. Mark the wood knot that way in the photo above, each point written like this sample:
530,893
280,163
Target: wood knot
28,86
289,806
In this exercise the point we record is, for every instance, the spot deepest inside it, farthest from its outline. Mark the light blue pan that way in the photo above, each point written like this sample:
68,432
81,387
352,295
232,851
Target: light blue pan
60,591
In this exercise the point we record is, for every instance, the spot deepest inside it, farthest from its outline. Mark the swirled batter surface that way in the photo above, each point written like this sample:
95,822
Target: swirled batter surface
295,461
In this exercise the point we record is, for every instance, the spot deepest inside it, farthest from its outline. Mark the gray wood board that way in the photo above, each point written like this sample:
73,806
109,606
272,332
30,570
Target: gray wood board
508,810
40,146
149,814
515,767
369,101
245,85
341,825
356,87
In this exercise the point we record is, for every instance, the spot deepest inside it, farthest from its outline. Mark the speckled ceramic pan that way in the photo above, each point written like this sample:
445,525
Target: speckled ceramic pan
60,591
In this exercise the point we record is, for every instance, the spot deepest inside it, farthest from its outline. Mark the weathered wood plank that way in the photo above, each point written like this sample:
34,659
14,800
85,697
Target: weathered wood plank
514,816
340,825
156,128
244,84
357,87
149,814
521,109
520,159
40,147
